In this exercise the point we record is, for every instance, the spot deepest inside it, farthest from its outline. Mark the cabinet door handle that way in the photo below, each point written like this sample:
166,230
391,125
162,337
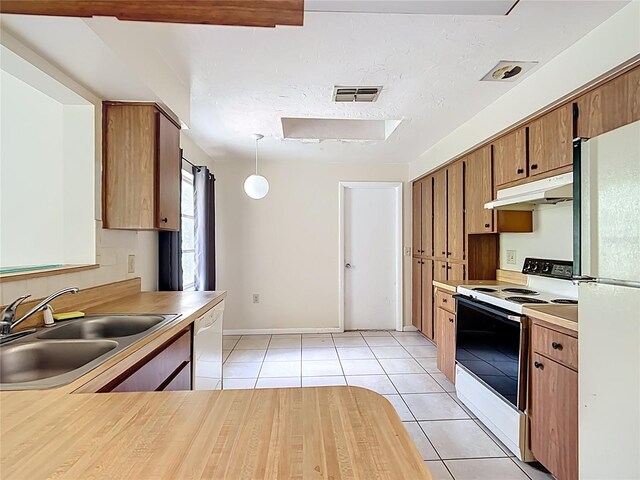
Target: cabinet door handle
556,346
443,253
451,319
444,300
165,220
534,166
448,253
520,170
486,225
538,365
449,267
444,266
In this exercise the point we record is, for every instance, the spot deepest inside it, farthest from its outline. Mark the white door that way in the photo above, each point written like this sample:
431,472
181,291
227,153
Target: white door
371,256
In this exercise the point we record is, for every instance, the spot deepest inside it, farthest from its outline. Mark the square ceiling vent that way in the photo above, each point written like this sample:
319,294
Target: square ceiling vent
342,94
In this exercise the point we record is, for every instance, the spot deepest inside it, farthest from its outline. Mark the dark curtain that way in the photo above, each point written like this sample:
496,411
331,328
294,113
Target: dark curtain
170,261
205,228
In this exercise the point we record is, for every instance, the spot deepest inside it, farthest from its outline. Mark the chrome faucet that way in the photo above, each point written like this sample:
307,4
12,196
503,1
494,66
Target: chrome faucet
9,322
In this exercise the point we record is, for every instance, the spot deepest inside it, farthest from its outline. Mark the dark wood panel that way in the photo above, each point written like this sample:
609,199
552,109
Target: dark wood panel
484,257
151,373
427,216
427,299
479,190
168,177
254,13
551,141
554,417
440,214
455,212
181,379
612,105
417,217
510,157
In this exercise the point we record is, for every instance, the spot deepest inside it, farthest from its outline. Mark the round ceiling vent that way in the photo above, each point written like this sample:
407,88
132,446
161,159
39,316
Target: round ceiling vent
508,71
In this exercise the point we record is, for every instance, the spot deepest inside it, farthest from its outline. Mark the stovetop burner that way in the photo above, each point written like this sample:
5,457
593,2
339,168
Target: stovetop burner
525,300
485,289
564,301
520,291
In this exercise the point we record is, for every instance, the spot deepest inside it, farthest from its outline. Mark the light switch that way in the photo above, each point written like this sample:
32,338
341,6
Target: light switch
407,251
511,257
256,298
131,264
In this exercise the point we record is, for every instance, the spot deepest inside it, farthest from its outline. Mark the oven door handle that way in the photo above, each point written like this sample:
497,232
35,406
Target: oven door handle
479,305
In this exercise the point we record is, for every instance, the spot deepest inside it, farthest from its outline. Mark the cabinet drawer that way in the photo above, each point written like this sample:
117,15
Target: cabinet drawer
555,345
152,374
445,300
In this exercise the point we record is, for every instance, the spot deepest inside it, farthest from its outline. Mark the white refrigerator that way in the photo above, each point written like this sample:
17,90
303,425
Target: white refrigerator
609,306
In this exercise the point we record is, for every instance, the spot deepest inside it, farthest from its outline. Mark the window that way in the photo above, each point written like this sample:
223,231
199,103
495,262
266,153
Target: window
187,232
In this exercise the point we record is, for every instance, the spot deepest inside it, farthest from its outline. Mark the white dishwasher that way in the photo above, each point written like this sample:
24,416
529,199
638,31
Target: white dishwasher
207,350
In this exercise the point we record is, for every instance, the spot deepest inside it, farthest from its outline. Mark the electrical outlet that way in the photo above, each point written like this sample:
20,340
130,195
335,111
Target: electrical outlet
256,298
407,251
131,264
511,257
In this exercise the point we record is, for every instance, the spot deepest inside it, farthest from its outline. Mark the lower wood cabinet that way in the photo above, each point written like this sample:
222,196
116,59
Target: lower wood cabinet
446,334
167,368
422,307
553,408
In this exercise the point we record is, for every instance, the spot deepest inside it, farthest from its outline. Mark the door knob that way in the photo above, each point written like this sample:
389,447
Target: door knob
348,265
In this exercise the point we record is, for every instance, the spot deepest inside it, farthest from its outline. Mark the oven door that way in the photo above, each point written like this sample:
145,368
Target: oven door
491,344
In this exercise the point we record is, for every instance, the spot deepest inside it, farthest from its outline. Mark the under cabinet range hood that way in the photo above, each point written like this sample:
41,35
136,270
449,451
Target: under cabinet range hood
525,197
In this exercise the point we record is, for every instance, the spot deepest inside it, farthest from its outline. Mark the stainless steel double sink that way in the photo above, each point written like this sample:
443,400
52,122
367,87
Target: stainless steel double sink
57,355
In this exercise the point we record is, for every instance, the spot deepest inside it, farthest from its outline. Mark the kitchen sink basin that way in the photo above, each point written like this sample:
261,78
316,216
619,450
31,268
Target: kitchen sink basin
37,360
58,355
104,326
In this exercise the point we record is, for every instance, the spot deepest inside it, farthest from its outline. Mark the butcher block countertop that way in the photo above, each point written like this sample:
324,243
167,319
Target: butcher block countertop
565,316
452,285
324,432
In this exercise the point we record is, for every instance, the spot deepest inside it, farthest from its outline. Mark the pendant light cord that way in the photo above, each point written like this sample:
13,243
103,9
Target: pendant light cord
256,156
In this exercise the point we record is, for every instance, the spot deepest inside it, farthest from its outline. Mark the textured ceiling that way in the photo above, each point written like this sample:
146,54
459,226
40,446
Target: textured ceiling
243,80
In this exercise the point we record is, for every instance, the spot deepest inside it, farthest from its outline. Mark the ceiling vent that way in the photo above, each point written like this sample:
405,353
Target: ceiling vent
508,71
355,94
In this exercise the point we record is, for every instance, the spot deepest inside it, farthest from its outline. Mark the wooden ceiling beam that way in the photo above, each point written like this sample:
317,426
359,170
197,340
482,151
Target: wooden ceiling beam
249,13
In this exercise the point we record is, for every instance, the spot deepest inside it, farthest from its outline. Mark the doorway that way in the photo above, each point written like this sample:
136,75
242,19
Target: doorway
370,255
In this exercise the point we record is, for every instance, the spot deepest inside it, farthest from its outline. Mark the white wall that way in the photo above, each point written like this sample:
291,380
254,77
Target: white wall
285,247
611,44
112,246
552,237
31,219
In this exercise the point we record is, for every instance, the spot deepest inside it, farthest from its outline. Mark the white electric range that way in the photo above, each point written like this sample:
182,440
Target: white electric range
492,346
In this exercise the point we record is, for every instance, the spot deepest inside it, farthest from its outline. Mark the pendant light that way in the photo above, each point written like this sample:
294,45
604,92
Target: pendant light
256,186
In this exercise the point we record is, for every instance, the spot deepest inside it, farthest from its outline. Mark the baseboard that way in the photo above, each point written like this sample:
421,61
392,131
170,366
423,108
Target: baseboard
409,328
276,331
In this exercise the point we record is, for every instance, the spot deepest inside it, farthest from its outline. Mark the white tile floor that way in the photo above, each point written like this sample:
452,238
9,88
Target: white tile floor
399,365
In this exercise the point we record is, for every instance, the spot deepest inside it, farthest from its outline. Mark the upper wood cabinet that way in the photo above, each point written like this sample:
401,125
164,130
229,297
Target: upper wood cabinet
422,217
455,212
479,190
141,168
551,141
510,157
440,214
612,105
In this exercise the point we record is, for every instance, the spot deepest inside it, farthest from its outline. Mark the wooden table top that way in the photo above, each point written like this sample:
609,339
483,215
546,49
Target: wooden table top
324,432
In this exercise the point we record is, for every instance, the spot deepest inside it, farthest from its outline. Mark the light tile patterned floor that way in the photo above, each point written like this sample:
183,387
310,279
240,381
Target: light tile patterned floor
399,365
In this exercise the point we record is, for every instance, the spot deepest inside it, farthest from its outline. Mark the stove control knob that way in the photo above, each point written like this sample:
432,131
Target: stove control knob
534,267
546,268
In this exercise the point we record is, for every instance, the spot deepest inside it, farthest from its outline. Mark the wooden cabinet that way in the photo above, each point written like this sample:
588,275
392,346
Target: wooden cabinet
479,190
510,157
446,340
422,306
551,141
422,217
159,370
141,168
440,214
439,270
455,271
553,408
612,105
455,212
